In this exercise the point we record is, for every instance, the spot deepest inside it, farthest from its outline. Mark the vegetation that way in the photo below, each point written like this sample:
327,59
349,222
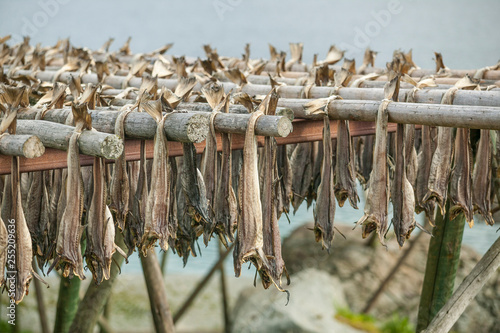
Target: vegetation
368,323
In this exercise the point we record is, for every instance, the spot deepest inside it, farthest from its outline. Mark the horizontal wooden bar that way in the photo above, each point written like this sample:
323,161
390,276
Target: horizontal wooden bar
303,131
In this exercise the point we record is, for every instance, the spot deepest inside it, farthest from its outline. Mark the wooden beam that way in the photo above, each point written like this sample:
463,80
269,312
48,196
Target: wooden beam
303,131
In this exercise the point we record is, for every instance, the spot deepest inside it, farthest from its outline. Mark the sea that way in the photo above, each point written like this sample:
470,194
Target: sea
464,32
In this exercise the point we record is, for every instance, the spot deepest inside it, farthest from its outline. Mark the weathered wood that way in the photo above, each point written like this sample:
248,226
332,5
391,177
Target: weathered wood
57,136
199,287
276,126
91,306
28,146
453,73
441,267
484,115
388,278
42,311
303,131
432,96
67,303
477,117
467,291
160,308
179,126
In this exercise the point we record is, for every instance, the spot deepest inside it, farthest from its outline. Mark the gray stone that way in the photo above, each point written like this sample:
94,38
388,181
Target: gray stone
361,266
315,296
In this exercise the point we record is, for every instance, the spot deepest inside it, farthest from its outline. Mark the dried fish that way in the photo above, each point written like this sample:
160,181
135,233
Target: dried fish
300,161
461,178
324,211
249,241
214,94
193,186
270,189
120,186
134,227
403,197
427,149
23,243
69,256
377,197
481,178
158,200
101,230
345,180
285,177
439,175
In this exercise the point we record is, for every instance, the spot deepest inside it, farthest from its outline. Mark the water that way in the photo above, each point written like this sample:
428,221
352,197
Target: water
463,31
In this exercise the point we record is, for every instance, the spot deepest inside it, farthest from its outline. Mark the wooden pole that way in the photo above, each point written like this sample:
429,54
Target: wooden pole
373,299
28,146
441,268
67,304
224,293
179,126
44,323
463,97
160,309
467,291
187,303
431,114
163,263
57,136
92,304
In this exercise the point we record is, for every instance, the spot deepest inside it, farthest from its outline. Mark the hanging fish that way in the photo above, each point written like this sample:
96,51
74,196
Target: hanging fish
427,149
214,94
366,160
120,185
377,197
481,178
101,229
134,228
439,175
403,197
461,178
69,256
249,241
324,211
345,180
285,177
300,160
193,186
226,205
158,200
270,189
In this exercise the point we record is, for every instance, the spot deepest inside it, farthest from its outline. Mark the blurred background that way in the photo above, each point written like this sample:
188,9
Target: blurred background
465,32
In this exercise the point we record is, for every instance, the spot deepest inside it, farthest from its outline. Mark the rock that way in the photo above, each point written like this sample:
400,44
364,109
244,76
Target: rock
360,268
315,296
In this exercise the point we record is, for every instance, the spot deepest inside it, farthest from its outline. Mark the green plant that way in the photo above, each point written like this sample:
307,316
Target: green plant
6,327
357,320
398,324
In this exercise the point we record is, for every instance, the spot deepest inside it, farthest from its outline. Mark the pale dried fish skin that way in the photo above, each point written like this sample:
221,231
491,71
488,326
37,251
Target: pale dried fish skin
377,197
158,200
324,211
481,178
461,178
345,180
